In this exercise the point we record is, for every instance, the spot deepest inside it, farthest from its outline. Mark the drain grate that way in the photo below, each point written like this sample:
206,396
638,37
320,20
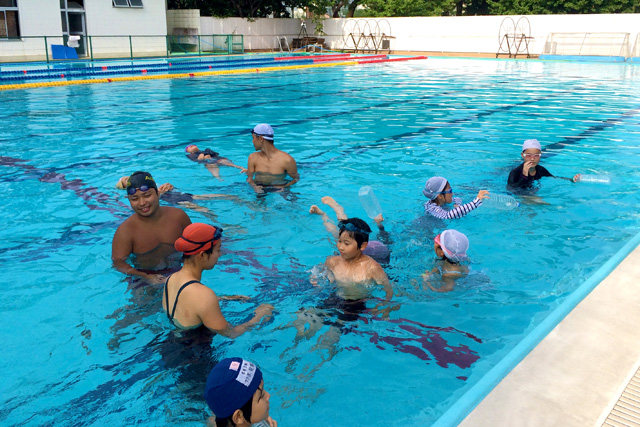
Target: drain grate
626,411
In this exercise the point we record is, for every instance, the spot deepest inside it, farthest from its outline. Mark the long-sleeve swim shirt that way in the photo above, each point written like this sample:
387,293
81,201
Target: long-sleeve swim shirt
439,212
518,180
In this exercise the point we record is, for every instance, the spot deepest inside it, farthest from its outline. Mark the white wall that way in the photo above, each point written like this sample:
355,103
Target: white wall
466,34
42,18
259,34
189,18
473,34
39,18
104,19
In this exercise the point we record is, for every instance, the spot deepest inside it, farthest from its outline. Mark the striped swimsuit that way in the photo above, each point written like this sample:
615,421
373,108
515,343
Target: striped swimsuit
437,211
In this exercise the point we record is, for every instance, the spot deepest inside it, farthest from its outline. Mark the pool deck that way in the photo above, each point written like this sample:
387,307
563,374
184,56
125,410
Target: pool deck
576,375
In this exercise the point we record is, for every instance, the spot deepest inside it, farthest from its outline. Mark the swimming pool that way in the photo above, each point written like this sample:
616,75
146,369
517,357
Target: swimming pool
82,349
27,76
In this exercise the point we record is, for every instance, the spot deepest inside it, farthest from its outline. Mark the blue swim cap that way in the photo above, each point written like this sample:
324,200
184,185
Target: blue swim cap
230,384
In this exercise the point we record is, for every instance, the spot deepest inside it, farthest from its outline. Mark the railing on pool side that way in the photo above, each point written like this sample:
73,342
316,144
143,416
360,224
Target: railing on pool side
38,48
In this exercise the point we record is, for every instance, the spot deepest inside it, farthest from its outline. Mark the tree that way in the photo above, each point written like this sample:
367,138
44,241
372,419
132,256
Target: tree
496,7
545,7
240,8
391,8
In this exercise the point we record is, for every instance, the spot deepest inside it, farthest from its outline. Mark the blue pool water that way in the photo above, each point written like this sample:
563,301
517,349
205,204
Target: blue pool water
83,349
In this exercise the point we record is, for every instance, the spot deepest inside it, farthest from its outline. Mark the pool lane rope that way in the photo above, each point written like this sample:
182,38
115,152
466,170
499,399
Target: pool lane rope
364,60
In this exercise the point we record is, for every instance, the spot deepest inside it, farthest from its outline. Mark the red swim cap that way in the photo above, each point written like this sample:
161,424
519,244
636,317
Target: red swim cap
198,237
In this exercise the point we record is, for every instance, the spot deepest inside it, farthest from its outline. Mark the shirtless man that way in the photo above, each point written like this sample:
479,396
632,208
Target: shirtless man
268,166
149,233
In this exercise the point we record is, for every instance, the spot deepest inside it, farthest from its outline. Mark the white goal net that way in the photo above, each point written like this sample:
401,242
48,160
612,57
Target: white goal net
635,52
587,44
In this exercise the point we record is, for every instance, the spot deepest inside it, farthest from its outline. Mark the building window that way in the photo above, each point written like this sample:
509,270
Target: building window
9,26
127,3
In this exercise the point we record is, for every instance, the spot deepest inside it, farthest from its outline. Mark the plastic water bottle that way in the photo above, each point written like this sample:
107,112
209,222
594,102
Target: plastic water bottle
500,201
369,201
601,179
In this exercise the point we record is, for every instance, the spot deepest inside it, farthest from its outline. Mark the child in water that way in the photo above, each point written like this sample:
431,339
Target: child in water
352,270
439,192
524,175
211,159
451,248
375,249
235,394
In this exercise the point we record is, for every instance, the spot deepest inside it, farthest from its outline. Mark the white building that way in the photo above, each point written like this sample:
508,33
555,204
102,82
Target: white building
106,27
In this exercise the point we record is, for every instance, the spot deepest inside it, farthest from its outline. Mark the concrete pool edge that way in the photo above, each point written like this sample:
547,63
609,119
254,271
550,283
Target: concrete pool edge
463,409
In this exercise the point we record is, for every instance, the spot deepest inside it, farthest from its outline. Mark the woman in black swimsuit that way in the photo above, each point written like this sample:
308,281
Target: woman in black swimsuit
188,303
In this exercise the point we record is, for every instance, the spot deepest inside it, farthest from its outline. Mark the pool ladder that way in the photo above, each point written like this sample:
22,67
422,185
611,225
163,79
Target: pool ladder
283,44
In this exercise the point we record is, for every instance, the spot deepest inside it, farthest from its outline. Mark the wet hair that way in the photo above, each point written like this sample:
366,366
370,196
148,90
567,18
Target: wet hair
357,229
246,410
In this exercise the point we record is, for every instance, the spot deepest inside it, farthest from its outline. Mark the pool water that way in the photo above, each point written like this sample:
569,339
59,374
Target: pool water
84,348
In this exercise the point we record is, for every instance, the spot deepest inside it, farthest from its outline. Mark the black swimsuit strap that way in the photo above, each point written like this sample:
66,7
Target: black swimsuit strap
175,303
166,294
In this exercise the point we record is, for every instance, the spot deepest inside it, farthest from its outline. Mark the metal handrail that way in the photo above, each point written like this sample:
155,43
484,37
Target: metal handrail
233,43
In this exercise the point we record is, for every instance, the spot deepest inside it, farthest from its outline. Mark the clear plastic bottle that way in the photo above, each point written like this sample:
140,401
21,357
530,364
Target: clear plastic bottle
601,179
369,201
500,201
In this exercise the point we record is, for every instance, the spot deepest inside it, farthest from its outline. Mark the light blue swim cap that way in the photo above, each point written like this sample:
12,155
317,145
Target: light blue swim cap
263,130
433,187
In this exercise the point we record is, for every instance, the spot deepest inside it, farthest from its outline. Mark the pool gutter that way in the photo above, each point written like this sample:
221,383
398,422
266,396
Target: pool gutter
554,384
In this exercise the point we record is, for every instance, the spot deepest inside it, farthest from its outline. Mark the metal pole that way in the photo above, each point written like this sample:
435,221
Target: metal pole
199,50
229,44
167,40
91,47
130,48
46,48
583,39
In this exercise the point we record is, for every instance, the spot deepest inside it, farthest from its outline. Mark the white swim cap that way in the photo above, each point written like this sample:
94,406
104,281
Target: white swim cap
531,143
454,244
263,130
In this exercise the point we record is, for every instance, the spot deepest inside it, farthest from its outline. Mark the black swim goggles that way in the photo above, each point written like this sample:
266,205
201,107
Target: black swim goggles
350,227
262,134
217,235
143,188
